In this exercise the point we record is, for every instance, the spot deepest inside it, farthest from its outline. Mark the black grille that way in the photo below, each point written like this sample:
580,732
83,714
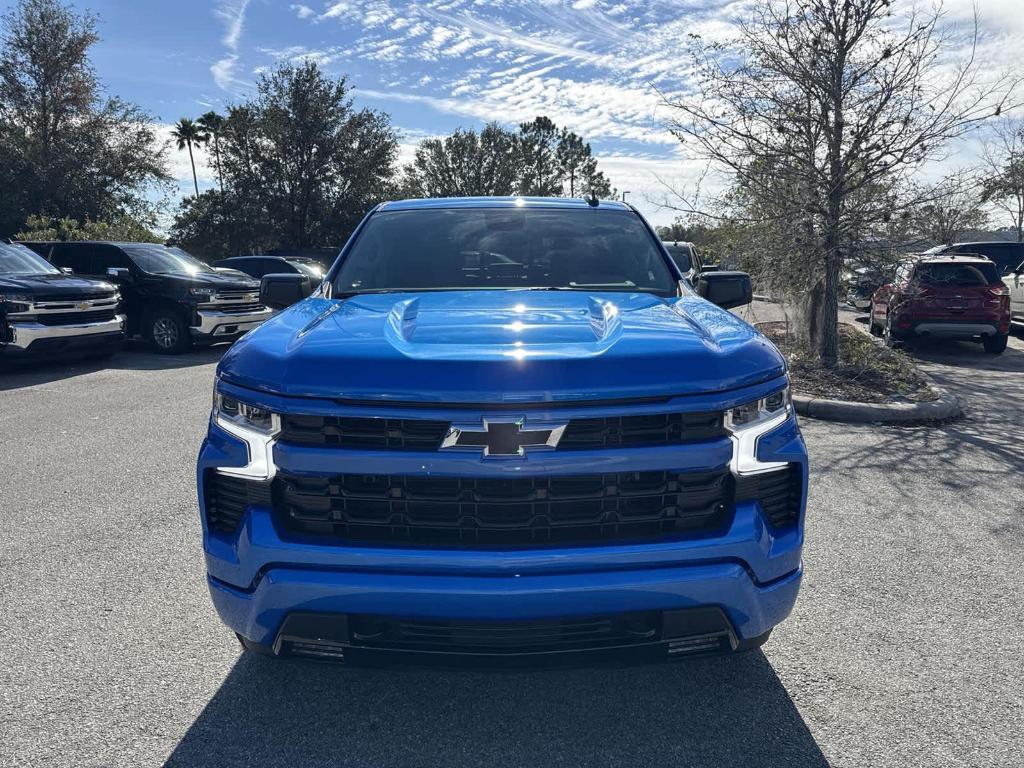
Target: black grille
535,511
239,309
72,299
227,497
779,493
425,435
73,318
505,637
349,432
637,430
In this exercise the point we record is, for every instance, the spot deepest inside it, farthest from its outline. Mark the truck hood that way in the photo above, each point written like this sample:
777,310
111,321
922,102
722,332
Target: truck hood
501,346
233,281
53,283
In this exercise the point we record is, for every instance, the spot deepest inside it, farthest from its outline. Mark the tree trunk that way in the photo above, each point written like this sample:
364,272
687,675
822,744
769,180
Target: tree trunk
195,180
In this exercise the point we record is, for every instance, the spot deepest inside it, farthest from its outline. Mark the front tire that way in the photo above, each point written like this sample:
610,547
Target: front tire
995,344
255,649
168,332
889,335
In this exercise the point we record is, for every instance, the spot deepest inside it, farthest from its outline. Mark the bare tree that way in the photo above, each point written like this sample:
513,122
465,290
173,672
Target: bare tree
818,102
942,212
1004,159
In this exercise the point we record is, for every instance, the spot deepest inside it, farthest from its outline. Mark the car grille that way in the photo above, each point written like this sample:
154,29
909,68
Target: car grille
425,435
536,511
505,637
72,299
226,499
74,318
237,302
779,492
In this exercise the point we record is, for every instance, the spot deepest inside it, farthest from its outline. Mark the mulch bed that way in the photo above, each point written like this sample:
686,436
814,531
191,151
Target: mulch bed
866,373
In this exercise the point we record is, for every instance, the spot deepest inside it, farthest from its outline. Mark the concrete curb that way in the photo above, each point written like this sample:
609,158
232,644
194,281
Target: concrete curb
945,407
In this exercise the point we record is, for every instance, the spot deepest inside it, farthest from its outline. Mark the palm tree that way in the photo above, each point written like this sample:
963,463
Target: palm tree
188,133
212,124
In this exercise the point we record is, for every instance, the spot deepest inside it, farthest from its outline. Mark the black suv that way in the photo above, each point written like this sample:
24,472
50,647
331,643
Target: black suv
46,312
170,298
1006,255
258,266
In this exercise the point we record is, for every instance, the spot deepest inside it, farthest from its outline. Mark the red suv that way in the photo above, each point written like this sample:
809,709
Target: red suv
945,296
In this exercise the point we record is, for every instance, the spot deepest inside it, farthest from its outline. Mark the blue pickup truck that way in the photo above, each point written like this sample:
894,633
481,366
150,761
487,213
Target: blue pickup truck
503,427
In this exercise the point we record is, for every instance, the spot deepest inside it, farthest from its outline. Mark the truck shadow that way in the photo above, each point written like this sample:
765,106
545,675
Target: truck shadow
712,711
136,356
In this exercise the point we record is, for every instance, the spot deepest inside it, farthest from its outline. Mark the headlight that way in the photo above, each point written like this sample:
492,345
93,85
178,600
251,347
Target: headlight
748,421
203,294
758,411
228,410
253,425
16,302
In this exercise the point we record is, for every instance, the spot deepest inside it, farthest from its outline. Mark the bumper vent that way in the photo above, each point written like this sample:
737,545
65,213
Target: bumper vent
535,511
779,493
426,435
226,499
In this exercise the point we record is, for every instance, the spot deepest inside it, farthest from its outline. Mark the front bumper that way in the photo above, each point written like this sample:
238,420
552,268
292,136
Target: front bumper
212,324
258,576
35,338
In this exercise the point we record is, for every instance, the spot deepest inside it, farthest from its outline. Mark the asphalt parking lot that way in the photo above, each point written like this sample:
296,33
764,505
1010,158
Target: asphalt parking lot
905,647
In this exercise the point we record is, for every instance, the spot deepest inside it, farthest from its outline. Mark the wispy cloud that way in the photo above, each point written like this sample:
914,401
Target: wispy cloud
232,14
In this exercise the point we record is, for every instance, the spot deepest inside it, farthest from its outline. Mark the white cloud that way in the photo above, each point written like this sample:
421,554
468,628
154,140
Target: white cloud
232,15
302,11
179,166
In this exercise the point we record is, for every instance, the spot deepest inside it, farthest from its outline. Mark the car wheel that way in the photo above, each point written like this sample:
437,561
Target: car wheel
995,344
254,648
889,335
753,643
872,325
168,333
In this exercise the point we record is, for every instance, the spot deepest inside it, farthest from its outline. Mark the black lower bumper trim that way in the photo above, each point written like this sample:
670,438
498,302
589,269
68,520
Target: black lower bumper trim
658,634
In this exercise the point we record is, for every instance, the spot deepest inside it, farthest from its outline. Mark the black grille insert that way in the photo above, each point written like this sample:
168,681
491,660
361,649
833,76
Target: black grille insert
463,511
779,493
74,318
227,497
505,637
426,435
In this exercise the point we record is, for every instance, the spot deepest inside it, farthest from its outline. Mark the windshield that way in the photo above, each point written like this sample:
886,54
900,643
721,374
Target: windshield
307,268
163,260
681,256
486,248
977,273
19,260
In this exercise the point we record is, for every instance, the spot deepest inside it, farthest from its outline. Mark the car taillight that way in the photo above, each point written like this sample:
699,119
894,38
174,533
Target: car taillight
999,290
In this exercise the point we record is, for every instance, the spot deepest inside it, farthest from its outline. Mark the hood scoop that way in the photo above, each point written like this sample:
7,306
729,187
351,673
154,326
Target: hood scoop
586,326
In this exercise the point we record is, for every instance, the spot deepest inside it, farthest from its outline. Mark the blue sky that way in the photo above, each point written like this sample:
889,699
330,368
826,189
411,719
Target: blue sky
596,66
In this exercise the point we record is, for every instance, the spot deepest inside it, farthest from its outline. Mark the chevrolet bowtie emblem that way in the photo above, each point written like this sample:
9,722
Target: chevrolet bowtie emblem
502,438
84,304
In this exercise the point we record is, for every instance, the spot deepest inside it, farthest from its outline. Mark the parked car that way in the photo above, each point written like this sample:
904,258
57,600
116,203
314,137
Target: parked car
503,426
44,312
170,298
861,284
1014,283
258,266
944,296
1005,255
686,256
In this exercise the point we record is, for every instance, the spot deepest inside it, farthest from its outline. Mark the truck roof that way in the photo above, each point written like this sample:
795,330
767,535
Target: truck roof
501,202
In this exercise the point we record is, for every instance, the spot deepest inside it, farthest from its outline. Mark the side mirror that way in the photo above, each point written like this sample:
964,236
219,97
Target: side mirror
119,273
278,291
67,270
726,289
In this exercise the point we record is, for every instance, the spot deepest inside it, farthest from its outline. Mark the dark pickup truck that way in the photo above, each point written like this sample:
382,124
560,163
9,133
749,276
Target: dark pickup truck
46,312
170,298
